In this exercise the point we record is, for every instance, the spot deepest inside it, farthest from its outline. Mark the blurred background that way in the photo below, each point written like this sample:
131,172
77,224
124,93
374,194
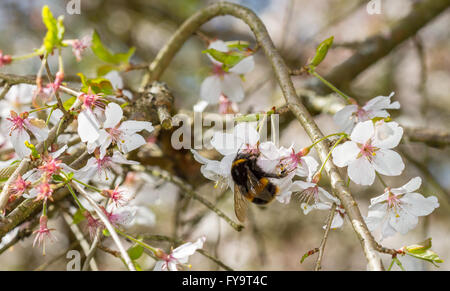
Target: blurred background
278,235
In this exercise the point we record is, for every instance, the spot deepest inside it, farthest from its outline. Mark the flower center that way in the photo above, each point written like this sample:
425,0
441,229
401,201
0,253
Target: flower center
217,70
115,134
368,151
308,194
17,123
362,114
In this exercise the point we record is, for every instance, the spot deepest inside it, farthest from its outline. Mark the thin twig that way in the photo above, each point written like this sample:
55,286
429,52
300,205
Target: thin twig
5,90
324,239
92,250
51,80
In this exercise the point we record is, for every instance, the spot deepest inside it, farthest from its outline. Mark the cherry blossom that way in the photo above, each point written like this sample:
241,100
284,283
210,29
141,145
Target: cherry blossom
119,196
18,188
120,216
19,125
102,168
243,137
93,224
45,94
314,197
44,192
285,160
79,45
43,233
350,115
90,117
51,165
179,256
398,209
226,83
369,150
123,134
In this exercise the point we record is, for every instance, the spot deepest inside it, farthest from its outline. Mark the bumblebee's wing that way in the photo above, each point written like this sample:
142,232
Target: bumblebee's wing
240,204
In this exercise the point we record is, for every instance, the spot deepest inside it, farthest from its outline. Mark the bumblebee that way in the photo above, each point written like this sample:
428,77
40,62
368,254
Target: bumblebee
251,183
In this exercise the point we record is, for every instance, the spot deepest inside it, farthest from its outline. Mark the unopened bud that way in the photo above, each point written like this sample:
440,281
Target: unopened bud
321,52
159,253
316,177
304,151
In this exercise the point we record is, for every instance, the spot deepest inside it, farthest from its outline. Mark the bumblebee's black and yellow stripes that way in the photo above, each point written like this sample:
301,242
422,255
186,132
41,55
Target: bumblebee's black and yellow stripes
251,182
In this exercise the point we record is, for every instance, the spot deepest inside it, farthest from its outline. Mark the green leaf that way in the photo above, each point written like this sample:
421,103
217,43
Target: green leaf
249,117
321,51
58,178
105,55
79,216
137,266
309,253
97,85
135,252
69,102
228,59
238,44
106,232
422,251
55,30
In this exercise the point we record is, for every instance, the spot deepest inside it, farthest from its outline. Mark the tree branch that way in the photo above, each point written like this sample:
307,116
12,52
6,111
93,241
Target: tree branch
379,46
166,54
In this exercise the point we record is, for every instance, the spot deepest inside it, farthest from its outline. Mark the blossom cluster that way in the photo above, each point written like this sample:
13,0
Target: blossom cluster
369,152
290,165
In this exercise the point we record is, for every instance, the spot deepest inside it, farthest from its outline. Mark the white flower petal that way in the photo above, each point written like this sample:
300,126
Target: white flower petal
188,249
114,114
18,138
361,172
387,135
403,221
388,162
225,143
231,86
244,66
412,185
307,167
362,132
337,222
88,127
345,119
418,205
115,79
160,266
133,126
117,157
39,131
345,153
211,89
131,142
